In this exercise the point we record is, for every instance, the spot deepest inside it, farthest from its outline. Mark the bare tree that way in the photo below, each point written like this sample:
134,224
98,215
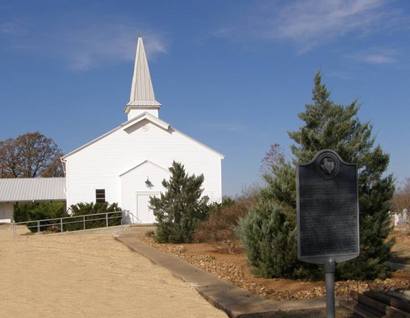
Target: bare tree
30,155
273,157
401,198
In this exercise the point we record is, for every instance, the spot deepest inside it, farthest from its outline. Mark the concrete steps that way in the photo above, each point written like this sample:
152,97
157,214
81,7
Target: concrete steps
374,304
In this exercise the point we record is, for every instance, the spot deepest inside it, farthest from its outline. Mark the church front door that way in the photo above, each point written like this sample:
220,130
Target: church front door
144,213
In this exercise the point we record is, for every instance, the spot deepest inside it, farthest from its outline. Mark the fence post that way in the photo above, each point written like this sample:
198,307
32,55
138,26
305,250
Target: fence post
61,224
38,226
106,219
83,222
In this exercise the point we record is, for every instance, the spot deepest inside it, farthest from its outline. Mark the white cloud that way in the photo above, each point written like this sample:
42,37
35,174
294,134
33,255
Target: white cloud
11,28
7,27
92,47
86,45
377,56
309,23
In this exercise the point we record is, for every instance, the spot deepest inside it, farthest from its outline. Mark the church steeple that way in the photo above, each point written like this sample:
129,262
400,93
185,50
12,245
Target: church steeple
142,98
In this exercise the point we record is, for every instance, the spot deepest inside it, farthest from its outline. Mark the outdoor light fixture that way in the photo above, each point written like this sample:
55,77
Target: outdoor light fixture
148,183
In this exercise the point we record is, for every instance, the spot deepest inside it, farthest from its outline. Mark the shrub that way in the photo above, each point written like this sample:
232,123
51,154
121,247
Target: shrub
223,219
85,209
269,240
38,211
56,209
93,208
179,210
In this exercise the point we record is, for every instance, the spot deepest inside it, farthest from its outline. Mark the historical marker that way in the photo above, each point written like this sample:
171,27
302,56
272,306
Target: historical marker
327,214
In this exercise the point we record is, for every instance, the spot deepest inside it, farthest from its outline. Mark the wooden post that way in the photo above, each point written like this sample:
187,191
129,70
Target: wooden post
38,226
61,224
83,222
106,219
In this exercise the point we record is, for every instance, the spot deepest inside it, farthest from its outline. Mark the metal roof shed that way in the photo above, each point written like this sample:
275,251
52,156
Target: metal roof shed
26,190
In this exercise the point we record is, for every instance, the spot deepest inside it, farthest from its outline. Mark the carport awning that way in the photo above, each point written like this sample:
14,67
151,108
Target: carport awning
32,189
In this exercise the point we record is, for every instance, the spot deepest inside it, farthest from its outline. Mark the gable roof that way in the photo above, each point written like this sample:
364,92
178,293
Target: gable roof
144,116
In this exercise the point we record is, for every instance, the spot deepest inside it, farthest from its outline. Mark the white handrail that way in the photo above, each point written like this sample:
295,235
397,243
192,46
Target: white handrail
81,219
73,216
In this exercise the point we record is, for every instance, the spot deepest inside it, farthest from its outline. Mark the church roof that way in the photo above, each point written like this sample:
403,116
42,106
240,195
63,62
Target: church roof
144,116
142,91
141,97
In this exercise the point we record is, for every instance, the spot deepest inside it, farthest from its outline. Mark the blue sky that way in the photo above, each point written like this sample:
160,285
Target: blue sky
232,74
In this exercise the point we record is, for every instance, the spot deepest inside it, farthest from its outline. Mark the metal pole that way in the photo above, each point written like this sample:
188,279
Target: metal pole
84,222
330,288
106,219
61,224
38,226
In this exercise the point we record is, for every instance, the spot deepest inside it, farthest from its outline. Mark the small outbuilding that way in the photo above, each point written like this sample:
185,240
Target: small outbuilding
28,190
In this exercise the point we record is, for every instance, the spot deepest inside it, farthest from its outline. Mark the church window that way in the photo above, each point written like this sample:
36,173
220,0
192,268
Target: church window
100,195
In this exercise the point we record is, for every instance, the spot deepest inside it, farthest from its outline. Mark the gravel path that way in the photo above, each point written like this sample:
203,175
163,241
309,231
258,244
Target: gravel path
88,275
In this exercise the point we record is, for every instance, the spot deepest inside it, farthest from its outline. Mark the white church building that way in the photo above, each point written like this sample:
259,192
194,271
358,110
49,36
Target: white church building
127,164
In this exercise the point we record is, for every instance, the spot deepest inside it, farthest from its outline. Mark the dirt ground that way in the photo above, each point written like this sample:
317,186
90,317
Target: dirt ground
88,275
229,262
401,248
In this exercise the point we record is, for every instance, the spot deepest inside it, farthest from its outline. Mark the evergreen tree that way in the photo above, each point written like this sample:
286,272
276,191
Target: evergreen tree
327,125
269,240
179,210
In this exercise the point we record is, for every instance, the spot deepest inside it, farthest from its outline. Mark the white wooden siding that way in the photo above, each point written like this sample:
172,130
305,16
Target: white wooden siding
99,165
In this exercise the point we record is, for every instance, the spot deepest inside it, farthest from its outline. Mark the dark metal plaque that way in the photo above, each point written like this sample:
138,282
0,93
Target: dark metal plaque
327,209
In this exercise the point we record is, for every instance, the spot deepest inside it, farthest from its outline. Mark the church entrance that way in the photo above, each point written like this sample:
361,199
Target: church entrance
144,213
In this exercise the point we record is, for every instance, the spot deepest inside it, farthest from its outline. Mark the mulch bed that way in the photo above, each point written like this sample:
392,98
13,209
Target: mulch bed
229,263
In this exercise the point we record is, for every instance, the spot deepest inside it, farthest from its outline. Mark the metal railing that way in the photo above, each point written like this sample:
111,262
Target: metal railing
75,223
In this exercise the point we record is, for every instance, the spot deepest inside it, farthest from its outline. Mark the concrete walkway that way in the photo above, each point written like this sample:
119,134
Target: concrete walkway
396,266
236,302
89,274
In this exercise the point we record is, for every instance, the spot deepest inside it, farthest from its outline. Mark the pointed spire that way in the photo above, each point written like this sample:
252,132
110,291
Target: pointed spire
142,98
